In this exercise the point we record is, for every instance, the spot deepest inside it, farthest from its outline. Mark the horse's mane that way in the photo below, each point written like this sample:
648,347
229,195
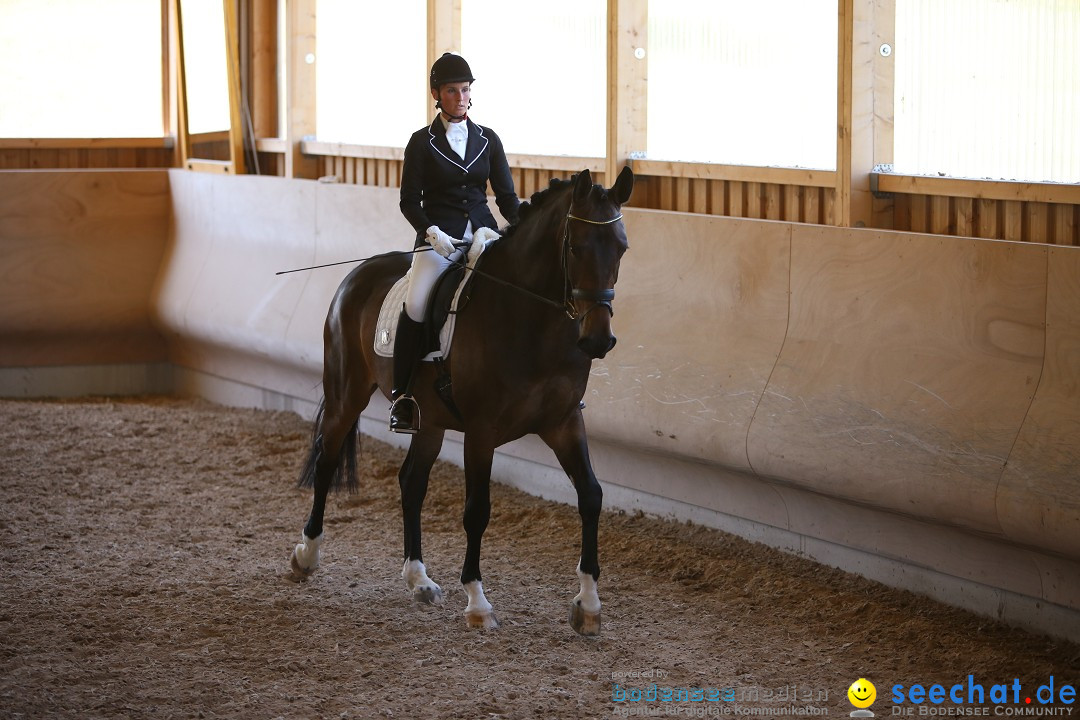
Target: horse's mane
542,199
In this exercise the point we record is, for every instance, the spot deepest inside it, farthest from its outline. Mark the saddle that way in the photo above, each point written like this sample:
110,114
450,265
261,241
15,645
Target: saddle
449,295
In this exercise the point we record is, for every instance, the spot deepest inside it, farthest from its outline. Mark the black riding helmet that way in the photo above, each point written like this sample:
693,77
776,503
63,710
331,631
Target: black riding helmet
450,68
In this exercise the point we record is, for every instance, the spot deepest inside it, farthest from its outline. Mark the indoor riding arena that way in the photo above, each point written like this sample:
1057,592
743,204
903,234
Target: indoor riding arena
838,437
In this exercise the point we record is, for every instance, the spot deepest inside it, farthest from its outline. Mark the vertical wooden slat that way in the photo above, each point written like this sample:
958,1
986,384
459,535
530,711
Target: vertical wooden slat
772,201
717,199
902,212
919,213
811,211
1036,222
793,203
753,200
1012,220
939,215
682,194
986,220
667,194
1065,224
965,214
699,196
736,199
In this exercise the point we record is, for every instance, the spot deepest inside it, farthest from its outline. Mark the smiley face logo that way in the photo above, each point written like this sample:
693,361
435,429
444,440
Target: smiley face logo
862,693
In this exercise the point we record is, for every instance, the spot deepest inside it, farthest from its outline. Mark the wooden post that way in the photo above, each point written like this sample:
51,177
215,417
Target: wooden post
884,83
444,30
300,87
232,61
854,113
169,83
627,35
264,71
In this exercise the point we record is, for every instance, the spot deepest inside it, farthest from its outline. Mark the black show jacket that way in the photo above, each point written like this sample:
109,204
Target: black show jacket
439,188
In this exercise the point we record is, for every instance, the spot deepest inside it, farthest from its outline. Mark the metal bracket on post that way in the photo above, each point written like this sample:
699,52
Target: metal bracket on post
884,169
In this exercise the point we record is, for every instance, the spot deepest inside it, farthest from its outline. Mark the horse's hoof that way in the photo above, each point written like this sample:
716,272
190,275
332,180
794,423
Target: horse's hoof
428,595
481,619
299,571
584,622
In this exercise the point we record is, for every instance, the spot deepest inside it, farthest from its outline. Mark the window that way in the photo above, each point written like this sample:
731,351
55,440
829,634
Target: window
371,74
988,89
541,73
71,68
746,83
205,66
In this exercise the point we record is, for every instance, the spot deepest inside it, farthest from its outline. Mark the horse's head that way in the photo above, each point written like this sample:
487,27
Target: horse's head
594,240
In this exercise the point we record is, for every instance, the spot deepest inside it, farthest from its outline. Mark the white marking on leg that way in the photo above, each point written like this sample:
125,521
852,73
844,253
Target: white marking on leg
478,612
306,554
423,588
588,598
477,601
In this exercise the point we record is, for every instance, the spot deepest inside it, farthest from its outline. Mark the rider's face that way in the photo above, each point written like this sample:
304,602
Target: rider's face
454,98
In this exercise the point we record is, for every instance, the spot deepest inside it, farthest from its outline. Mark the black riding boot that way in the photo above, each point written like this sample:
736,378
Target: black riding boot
405,413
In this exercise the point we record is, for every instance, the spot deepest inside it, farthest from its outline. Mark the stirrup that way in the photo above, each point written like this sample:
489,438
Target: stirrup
410,423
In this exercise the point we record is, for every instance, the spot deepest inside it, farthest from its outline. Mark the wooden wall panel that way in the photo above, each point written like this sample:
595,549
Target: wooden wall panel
917,412
1038,499
81,251
680,381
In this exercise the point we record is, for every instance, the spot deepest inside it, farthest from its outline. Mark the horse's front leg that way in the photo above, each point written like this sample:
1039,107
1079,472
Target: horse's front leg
572,449
478,455
413,480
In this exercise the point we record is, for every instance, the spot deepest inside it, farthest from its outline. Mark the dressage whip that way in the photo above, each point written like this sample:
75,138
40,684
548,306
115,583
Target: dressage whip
347,262
541,298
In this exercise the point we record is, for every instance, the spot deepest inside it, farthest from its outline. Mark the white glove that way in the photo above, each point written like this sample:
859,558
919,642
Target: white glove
486,235
443,243
480,240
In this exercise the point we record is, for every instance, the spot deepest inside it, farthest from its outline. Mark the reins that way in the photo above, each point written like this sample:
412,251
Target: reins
570,293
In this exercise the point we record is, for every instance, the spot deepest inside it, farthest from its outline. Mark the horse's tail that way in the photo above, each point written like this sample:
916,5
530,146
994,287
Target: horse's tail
344,475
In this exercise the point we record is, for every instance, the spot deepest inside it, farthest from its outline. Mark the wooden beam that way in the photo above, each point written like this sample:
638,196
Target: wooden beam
627,73
300,87
742,173
85,143
980,189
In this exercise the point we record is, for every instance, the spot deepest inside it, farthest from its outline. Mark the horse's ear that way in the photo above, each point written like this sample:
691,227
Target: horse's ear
583,186
624,185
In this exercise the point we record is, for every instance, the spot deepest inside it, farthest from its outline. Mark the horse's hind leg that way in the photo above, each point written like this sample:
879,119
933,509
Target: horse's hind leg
413,479
571,448
332,458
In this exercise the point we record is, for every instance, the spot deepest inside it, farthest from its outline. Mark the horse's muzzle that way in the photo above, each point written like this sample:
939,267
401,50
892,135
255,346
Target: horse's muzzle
596,347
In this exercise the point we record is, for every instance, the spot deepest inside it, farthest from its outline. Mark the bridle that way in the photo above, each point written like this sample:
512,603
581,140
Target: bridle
570,293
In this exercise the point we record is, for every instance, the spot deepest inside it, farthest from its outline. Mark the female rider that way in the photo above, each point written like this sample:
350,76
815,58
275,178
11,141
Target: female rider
444,197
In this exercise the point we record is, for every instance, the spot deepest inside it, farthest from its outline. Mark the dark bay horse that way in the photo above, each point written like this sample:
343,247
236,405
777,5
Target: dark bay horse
523,345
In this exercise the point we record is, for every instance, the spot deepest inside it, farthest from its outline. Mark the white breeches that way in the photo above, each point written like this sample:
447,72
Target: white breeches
427,265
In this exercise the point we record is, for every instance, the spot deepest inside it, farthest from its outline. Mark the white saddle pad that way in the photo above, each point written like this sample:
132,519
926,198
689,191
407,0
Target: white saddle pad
386,329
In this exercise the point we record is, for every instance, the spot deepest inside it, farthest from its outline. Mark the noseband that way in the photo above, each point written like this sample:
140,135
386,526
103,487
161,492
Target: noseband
597,297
